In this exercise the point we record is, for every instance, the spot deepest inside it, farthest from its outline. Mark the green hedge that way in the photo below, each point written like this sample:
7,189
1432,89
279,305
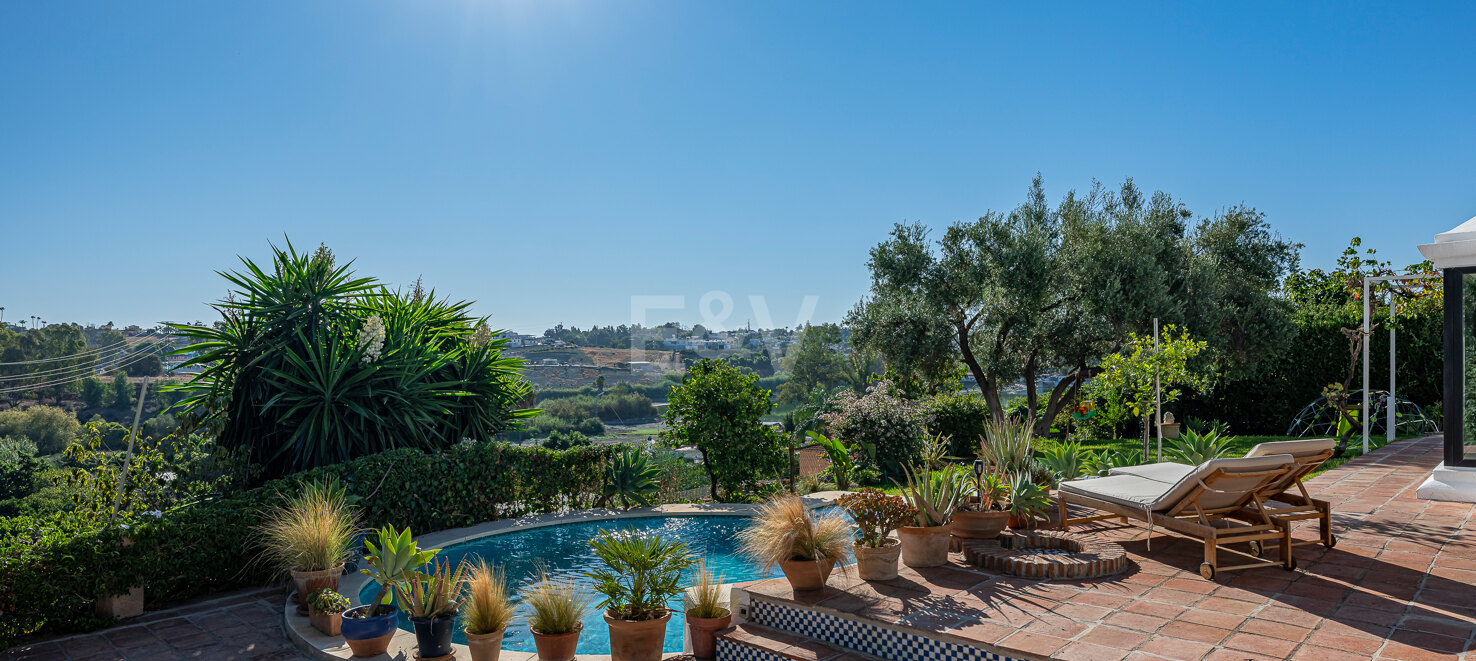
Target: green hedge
51,571
1317,356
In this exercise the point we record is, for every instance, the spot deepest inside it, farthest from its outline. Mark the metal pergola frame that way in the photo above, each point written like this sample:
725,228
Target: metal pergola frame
1390,407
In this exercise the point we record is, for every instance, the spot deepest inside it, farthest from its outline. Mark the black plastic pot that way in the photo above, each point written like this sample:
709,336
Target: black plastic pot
433,636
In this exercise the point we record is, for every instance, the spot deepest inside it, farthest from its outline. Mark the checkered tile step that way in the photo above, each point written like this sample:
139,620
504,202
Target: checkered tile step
728,650
860,636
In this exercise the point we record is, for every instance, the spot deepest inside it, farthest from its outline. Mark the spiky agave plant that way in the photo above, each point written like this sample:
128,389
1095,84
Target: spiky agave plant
631,480
935,495
785,529
431,594
1194,448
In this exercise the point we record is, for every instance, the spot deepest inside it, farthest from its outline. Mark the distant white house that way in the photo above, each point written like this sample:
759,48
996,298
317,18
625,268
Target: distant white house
642,366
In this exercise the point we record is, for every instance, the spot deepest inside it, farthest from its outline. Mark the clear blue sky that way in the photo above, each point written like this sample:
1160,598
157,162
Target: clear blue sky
553,159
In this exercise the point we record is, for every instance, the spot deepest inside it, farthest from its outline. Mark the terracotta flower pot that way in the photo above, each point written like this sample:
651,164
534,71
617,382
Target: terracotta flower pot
1023,522
878,564
557,646
979,525
308,582
485,646
924,546
329,624
704,633
369,636
807,574
636,640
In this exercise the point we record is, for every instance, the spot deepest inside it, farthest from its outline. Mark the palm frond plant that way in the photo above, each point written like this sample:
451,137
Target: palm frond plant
311,365
842,466
1194,448
806,546
631,480
709,612
642,572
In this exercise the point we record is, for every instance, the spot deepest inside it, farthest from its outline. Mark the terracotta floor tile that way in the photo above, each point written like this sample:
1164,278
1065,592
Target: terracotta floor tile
1154,608
1173,648
1195,632
1080,651
1274,647
1366,645
1314,653
1123,639
1276,630
1032,643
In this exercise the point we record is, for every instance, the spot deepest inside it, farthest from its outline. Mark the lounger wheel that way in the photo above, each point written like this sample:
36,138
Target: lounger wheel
1207,570
1256,548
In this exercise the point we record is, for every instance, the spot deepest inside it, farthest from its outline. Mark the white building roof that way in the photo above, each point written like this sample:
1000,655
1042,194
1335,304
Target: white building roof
1454,248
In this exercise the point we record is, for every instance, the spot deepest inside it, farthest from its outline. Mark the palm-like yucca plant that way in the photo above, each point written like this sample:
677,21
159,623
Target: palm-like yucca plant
486,608
785,529
839,456
432,594
1194,448
631,480
312,365
935,495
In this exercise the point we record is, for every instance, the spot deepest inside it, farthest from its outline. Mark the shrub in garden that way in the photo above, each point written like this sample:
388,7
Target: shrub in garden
958,416
887,426
719,410
311,365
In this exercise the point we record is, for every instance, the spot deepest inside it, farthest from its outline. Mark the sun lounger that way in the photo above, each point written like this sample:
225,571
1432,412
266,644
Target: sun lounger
1214,492
1287,501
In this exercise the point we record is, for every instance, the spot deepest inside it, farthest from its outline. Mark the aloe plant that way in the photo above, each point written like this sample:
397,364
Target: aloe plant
1028,498
432,594
1067,461
391,560
935,495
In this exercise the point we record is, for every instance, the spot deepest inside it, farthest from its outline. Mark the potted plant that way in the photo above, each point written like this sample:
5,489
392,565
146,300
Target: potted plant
557,616
641,573
325,611
310,536
806,547
369,628
1028,500
708,614
485,612
431,599
987,514
876,515
934,496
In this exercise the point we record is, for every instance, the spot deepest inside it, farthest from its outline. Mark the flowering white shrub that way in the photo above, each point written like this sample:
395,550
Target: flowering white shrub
371,338
889,427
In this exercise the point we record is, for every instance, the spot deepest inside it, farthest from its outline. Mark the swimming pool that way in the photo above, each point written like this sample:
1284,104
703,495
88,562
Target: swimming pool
564,550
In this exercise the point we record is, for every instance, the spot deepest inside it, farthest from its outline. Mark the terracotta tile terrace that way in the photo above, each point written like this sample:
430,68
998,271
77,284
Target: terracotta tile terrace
1399,584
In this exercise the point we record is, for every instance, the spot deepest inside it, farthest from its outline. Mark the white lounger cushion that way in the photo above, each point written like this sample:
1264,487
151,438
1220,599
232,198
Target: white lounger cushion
1141,492
1167,472
1298,448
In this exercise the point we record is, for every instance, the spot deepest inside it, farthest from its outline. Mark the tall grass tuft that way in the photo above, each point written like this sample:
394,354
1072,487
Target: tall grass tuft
311,531
785,529
707,594
486,609
557,604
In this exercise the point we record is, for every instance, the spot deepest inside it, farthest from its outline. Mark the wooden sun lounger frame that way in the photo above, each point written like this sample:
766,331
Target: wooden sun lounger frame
1187,517
1300,506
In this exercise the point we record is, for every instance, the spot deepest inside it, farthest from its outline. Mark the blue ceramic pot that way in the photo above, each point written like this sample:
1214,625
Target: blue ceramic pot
368,628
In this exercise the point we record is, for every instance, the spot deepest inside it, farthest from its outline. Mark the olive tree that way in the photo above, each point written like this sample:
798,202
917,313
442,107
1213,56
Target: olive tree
1047,287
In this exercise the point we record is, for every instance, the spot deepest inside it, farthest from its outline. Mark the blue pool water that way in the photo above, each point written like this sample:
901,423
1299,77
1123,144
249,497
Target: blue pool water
566,553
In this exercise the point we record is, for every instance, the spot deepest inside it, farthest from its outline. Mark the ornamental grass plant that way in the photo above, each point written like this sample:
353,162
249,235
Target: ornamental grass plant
785,529
557,604
707,594
312,531
485,607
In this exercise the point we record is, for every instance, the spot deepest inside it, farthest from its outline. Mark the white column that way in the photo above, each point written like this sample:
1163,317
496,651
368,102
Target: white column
1391,403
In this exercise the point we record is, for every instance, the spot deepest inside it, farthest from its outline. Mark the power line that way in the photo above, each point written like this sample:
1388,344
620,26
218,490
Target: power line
81,354
101,359
70,379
